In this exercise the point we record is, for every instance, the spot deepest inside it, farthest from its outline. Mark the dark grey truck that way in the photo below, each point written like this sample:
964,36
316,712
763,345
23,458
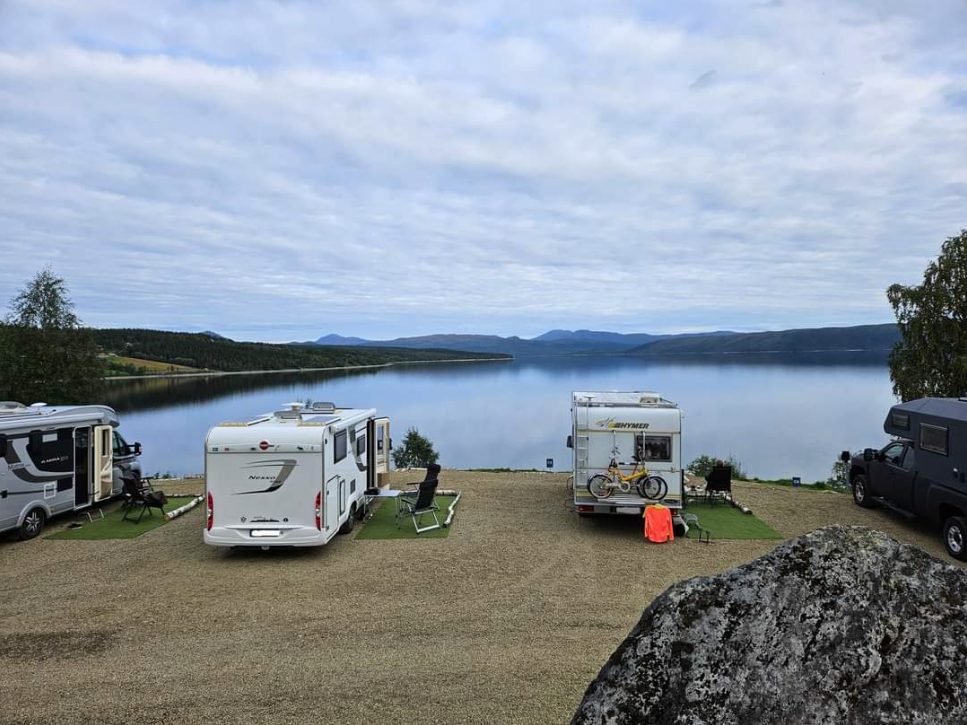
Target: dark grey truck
922,473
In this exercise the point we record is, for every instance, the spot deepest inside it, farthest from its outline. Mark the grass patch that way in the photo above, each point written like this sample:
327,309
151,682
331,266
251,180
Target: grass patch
383,523
787,482
112,526
727,522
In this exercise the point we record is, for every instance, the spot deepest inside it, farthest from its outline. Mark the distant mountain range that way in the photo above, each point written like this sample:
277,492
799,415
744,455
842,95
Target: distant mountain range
590,342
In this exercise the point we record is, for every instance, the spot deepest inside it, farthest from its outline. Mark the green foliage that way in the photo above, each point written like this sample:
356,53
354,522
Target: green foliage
931,357
416,451
704,464
45,355
208,353
840,475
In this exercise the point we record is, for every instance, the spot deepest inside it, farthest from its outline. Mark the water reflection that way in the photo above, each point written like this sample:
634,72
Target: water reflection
780,415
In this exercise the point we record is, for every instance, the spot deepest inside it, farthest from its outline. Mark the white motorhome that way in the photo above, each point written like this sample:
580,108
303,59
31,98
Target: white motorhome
295,477
625,432
55,459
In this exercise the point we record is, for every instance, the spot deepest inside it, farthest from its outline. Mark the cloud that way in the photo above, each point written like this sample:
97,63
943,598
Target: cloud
280,170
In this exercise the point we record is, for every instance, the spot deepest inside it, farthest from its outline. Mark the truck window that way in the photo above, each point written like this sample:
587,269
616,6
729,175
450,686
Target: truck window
933,438
901,421
893,453
120,445
339,447
658,448
909,459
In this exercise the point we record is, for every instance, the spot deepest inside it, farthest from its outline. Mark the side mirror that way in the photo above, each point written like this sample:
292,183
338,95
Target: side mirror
570,442
137,449
868,454
845,457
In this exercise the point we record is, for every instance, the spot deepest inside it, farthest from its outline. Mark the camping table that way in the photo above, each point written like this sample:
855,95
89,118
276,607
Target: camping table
386,493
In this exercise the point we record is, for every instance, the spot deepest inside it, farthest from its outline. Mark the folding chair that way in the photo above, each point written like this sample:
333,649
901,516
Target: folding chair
140,493
718,484
417,506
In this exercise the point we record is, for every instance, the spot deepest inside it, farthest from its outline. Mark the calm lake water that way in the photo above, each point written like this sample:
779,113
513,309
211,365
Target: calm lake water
780,416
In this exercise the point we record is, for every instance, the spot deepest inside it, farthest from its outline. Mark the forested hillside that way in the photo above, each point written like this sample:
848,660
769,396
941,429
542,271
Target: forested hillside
824,339
204,351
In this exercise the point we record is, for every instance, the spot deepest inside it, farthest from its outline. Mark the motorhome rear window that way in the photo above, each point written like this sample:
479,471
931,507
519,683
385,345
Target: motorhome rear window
933,438
3,444
901,421
361,445
339,446
658,448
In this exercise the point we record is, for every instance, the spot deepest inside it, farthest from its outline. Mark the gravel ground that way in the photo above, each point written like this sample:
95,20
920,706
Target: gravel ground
507,620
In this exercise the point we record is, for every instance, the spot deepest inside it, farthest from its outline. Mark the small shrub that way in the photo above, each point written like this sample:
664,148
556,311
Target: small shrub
416,451
840,475
704,464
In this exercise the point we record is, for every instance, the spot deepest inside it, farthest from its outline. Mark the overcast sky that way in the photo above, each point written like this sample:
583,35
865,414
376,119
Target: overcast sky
280,170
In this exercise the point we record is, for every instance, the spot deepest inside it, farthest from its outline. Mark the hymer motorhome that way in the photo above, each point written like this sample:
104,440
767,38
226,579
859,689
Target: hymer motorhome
55,459
627,449
295,477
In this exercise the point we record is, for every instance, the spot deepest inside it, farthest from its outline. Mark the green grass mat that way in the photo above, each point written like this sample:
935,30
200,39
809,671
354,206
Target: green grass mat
113,527
727,522
383,523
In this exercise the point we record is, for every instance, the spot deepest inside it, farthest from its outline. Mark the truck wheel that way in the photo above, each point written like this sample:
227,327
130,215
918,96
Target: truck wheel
350,522
955,537
861,492
33,524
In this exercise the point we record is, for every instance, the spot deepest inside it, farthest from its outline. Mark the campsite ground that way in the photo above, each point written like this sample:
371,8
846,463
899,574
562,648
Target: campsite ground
506,620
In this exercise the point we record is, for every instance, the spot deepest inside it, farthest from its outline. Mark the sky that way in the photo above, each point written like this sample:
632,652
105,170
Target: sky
282,170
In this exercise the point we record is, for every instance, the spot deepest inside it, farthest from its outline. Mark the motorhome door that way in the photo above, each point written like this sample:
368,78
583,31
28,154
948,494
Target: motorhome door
82,466
382,448
103,462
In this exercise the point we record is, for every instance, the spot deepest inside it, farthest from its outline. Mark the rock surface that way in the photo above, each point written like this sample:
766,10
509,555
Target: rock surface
842,625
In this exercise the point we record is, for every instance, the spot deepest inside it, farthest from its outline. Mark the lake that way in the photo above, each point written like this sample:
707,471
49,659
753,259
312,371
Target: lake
780,416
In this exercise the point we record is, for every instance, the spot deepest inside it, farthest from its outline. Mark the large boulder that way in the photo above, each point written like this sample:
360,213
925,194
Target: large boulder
843,625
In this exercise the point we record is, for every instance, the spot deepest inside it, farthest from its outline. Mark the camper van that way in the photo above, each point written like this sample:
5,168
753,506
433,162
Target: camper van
55,459
295,477
627,452
923,472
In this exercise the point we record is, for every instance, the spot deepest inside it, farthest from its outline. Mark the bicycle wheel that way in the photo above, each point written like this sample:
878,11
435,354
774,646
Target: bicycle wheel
600,486
652,487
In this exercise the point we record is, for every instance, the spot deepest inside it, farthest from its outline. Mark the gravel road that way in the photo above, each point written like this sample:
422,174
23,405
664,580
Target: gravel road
507,620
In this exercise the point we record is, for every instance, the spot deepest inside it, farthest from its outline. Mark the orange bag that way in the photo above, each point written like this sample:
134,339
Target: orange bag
658,524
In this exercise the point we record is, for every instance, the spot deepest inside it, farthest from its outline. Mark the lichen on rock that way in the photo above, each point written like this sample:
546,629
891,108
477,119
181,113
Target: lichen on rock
842,625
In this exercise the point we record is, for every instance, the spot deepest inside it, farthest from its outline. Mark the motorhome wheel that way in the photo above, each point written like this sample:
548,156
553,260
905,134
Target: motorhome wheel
955,537
350,522
33,524
861,492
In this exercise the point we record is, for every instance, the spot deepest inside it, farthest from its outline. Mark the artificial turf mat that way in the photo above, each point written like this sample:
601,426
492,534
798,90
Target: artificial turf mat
727,522
112,526
383,523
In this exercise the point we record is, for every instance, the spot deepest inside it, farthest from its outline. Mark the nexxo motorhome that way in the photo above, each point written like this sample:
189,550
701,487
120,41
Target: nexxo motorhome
295,477
55,459
616,437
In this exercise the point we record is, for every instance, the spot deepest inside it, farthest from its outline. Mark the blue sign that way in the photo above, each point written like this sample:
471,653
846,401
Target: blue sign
796,481
550,463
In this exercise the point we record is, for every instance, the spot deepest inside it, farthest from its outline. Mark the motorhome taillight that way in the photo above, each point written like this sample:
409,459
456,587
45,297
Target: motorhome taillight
319,511
211,512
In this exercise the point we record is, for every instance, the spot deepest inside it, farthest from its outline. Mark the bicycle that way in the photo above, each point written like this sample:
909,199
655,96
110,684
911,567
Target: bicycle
647,484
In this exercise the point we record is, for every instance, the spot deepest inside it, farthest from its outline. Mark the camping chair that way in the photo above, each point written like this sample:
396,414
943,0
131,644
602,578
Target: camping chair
432,474
416,506
140,493
718,484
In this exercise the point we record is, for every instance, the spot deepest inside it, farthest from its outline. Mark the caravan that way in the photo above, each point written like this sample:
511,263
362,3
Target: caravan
627,452
295,477
55,459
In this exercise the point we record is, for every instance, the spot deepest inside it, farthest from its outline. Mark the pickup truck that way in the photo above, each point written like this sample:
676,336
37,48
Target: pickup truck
922,472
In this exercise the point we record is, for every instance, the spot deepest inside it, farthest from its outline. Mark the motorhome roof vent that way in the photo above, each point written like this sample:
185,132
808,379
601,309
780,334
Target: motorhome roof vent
323,407
12,407
963,399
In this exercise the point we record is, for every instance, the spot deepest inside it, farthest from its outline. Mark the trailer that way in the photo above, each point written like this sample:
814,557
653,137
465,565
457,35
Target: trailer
56,459
626,432
294,477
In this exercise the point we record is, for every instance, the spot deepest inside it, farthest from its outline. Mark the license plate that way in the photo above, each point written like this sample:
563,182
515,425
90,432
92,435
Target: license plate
627,510
266,533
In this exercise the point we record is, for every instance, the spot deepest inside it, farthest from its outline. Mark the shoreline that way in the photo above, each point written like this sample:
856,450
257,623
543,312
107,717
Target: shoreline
217,373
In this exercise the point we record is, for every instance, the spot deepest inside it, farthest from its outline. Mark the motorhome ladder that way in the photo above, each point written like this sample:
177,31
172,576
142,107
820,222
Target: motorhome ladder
581,446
